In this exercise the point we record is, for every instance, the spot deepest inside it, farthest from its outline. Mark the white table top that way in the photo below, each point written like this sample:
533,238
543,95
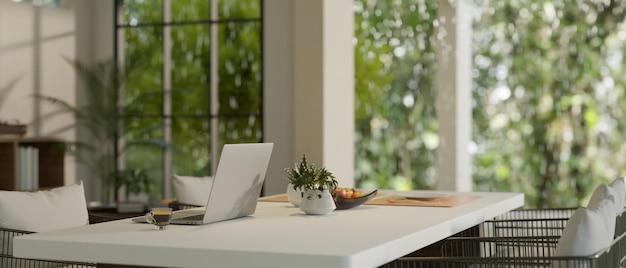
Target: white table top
277,235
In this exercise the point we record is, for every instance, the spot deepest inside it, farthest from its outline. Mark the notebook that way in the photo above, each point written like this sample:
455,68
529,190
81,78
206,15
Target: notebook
236,185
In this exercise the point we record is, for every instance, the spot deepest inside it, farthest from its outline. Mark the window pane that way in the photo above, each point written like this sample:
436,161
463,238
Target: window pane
191,146
240,68
239,61
200,10
240,130
190,10
144,60
142,11
190,70
396,129
240,9
143,152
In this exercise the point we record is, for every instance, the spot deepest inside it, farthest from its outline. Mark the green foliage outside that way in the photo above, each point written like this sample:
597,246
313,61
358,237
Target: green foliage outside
396,130
548,96
239,68
549,93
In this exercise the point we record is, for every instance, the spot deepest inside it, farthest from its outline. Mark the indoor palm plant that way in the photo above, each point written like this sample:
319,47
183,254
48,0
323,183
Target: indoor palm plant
102,118
313,185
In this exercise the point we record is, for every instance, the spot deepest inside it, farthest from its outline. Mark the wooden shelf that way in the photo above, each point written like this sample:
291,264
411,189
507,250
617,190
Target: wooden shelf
51,161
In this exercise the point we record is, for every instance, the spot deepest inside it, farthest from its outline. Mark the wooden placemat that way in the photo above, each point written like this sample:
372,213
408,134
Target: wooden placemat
444,201
283,198
275,198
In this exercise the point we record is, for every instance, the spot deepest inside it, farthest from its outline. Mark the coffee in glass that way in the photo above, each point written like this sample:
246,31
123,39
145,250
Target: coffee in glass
160,217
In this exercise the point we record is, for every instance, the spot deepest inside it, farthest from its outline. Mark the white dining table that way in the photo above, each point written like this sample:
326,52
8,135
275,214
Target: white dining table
276,235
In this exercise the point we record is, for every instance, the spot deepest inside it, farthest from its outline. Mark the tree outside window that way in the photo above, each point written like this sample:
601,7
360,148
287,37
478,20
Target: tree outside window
196,100
547,96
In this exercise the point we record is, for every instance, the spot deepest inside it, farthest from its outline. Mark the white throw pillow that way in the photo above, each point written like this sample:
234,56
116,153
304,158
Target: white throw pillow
41,211
588,231
620,189
192,190
615,189
602,192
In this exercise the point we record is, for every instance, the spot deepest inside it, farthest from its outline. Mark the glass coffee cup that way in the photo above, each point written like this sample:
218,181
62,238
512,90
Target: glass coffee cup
160,217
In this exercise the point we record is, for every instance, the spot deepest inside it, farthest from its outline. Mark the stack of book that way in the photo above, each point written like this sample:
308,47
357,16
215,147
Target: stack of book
27,178
12,129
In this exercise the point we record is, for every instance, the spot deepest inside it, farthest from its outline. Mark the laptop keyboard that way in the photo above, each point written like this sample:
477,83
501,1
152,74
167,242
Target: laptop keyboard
193,217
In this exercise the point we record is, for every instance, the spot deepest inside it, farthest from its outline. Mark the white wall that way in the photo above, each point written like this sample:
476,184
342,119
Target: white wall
33,41
85,31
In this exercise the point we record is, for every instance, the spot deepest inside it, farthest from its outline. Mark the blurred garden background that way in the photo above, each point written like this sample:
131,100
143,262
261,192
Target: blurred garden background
547,92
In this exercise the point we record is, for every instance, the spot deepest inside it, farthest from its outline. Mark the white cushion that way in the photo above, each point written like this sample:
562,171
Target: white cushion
41,211
588,231
620,189
59,208
602,192
615,189
192,190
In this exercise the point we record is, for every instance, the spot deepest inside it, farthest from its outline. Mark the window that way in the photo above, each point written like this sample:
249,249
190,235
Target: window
547,100
396,69
196,80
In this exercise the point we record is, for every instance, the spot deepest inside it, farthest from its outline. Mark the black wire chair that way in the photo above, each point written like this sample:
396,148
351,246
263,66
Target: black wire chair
7,260
520,238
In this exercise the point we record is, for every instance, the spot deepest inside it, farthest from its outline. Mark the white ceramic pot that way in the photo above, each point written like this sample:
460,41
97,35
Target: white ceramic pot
312,204
294,196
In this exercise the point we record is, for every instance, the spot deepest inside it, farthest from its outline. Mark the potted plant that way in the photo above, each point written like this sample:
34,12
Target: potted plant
313,186
296,177
102,119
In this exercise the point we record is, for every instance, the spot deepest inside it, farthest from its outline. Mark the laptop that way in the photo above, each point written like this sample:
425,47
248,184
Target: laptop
236,185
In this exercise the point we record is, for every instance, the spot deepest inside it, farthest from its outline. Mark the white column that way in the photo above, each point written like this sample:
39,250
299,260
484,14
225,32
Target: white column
339,90
278,90
324,85
94,43
309,87
167,99
454,96
214,77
